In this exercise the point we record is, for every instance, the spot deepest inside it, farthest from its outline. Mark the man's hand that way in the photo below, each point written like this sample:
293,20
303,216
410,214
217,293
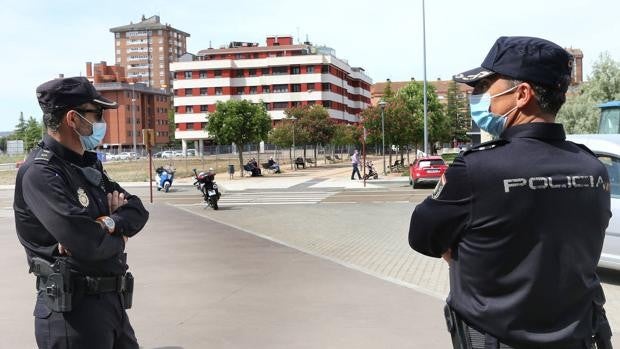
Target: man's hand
447,256
116,200
63,251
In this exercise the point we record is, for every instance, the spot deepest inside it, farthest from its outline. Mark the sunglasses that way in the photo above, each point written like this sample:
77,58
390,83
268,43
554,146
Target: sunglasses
98,112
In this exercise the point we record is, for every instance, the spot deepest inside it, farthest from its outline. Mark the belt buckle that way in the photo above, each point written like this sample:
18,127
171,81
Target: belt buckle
92,284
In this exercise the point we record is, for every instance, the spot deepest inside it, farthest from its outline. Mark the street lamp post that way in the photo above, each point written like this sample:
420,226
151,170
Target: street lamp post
382,105
133,115
293,157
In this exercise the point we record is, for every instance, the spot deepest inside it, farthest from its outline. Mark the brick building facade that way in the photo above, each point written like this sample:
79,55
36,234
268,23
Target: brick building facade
149,108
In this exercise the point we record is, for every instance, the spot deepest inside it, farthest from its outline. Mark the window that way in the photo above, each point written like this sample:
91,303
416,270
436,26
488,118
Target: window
266,89
117,35
280,88
295,70
203,74
239,90
310,86
188,91
310,69
280,105
189,109
325,86
252,72
265,71
218,91
217,72
239,73
188,74
324,69
190,126
296,88
203,91
203,108
327,104
279,70
253,90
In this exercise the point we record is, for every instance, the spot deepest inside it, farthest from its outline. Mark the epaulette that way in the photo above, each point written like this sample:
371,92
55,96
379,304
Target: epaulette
487,145
43,155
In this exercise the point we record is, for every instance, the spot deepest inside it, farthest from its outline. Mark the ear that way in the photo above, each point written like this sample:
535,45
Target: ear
70,118
525,94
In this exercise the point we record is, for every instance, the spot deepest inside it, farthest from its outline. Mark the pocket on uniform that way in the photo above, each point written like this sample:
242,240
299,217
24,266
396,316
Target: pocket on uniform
41,311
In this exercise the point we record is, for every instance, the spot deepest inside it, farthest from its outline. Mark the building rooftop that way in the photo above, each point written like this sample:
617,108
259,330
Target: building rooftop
151,23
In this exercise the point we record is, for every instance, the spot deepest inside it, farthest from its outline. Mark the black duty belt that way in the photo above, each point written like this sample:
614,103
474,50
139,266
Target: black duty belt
96,285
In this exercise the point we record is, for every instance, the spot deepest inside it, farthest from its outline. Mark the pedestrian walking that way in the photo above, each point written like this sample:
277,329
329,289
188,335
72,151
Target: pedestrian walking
520,219
355,161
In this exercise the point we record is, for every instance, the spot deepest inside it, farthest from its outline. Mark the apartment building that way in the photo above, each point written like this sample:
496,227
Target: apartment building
139,107
146,49
280,74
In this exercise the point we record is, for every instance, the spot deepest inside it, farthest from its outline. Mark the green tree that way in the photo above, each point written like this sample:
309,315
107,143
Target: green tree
240,122
315,124
172,127
282,136
20,128
604,84
457,112
579,114
32,133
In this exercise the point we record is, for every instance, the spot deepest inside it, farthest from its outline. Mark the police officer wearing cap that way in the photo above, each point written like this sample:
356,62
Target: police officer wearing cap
520,219
74,223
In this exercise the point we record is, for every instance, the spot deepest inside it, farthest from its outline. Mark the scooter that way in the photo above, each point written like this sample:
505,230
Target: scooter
205,183
372,173
163,178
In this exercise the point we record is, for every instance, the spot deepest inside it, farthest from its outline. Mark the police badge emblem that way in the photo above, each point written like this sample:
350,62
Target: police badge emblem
82,197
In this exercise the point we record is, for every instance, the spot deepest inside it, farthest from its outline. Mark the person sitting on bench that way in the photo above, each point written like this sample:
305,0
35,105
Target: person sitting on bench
273,165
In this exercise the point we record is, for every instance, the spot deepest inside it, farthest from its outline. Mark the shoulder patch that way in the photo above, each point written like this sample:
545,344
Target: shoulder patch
43,155
486,146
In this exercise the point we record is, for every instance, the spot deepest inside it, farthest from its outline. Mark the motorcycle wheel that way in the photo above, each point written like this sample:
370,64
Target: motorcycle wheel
214,205
376,176
167,186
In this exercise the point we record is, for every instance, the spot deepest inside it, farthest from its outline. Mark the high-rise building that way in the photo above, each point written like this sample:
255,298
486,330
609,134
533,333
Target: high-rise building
139,107
280,74
147,48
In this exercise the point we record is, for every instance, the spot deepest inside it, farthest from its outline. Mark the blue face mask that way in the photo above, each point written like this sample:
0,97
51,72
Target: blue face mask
492,123
96,136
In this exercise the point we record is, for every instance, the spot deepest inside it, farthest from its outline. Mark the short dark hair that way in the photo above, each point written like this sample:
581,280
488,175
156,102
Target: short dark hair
549,100
52,119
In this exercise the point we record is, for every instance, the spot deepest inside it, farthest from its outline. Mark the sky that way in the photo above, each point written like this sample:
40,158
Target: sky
42,38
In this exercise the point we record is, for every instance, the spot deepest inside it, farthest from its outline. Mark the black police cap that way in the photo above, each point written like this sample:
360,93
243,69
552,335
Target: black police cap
70,92
524,58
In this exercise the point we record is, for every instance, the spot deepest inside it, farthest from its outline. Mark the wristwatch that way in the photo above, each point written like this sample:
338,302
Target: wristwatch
107,223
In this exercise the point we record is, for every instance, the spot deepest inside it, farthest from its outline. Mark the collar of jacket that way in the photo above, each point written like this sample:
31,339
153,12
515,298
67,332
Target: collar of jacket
88,159
540,130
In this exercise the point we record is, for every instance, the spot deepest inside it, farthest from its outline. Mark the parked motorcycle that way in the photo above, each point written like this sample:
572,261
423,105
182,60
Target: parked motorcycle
205,183
164,175
371,172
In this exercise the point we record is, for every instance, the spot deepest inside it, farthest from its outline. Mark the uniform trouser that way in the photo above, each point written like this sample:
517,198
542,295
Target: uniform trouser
96,322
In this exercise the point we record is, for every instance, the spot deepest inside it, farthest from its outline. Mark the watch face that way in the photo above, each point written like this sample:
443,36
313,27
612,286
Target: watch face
109,223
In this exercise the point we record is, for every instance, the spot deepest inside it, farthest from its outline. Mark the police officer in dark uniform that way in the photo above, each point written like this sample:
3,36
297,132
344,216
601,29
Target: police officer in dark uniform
520,219
74,222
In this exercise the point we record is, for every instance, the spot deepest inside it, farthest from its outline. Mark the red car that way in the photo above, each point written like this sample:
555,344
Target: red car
428,169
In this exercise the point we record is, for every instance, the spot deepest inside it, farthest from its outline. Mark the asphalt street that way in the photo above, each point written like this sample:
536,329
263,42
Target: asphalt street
311,264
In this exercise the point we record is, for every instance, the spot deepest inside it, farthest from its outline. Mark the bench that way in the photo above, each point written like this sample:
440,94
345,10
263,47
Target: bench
267,168
397,167
300,162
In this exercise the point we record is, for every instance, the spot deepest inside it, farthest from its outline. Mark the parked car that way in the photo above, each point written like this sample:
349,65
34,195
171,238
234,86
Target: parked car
191,152
166,154
426,169
158,154
607,149
128,155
